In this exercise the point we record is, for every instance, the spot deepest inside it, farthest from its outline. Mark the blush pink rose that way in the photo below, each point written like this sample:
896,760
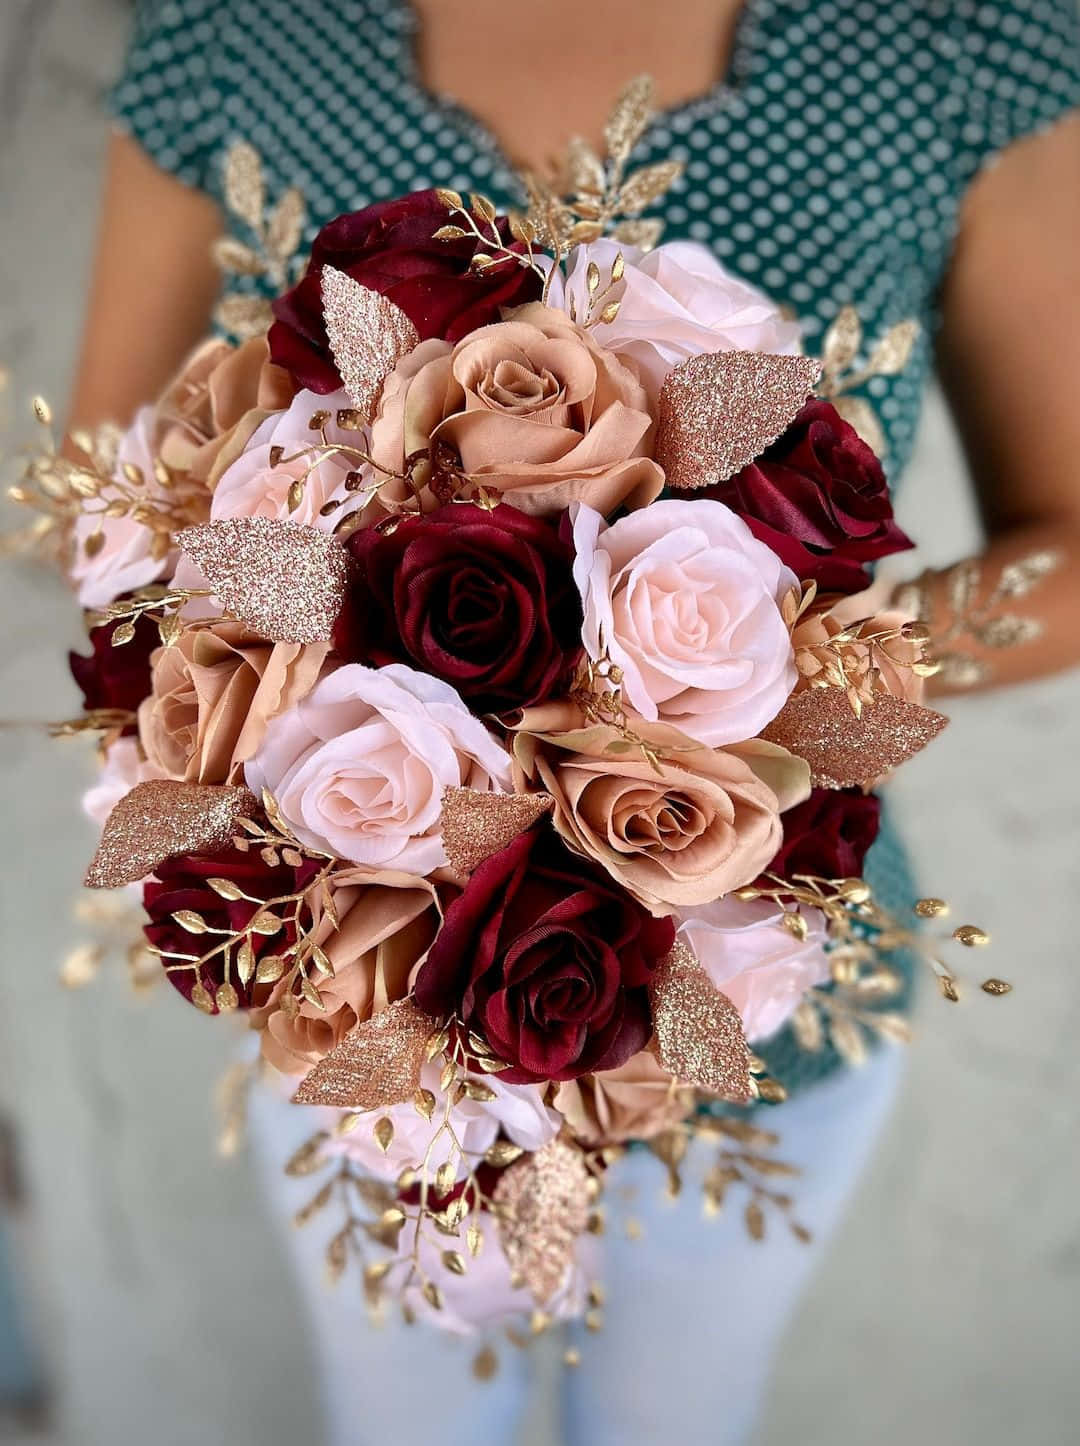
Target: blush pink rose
675,301
686,601
251,485
359,766
752,958
126,557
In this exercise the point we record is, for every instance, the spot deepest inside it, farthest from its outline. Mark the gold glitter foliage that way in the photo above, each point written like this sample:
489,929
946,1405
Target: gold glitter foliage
161,818
845,750
376,1065
720,410
542,1206
368,336
275,236
698,1030
476,825
593,196
284,581
979,615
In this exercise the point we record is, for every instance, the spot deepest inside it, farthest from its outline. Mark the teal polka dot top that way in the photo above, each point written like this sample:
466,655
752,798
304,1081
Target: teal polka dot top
828,166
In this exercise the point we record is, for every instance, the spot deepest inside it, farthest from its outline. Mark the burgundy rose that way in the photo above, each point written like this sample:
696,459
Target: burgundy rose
116,677
484,600
828,835
818,497
548,959
182,883
391,248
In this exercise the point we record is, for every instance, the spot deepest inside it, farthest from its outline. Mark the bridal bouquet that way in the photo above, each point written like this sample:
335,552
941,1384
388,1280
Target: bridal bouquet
489,710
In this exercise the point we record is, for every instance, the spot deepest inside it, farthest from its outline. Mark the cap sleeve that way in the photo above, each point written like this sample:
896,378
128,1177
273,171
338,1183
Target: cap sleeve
168,97
1021,69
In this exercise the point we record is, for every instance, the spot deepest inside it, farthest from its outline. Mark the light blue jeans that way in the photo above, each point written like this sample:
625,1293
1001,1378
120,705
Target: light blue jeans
695,1309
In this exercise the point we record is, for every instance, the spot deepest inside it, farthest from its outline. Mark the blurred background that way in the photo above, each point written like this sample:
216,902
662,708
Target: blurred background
142,1295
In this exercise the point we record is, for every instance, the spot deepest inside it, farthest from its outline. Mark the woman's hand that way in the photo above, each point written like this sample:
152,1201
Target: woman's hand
1009,358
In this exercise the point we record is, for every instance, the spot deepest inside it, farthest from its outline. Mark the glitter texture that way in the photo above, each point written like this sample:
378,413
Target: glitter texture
368,336
377,1065
161,818
543,1206
698,1030
844,751
720,410
476,825
284,581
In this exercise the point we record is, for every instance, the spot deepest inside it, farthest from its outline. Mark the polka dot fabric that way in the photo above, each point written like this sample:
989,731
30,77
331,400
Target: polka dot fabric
827,167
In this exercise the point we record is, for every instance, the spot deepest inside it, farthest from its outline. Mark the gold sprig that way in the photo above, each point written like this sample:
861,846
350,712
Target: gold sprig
479,220
986,622
843,373
596,689
852,658
276,241
300,960
156,598
593,196
743,1161
862,934
61,489
116,925
451,1202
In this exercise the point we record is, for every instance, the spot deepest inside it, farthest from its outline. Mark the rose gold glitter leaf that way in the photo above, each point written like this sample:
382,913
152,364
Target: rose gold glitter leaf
476,825
698,1030
720,410
159,819
368,336
844,751
544,1207
282,580
375,1066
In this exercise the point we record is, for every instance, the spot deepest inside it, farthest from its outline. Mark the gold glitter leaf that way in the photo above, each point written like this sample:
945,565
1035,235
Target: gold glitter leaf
285,227
368,336
720,410
642,233
375,1066
842,342
844,751
648,185
159,819
245,194
283,581
629,117
699,1033
476,824
542,1207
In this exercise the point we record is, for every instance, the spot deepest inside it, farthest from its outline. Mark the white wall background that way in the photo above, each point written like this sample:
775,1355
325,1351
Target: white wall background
948,1311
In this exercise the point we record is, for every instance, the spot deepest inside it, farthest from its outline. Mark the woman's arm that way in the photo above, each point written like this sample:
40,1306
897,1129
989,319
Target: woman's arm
1009,358
154,284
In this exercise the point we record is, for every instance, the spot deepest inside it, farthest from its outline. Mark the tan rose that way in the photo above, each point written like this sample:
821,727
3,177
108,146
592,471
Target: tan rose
681,828
387,921
534,410
840,646
218,387
213,693
634,1102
